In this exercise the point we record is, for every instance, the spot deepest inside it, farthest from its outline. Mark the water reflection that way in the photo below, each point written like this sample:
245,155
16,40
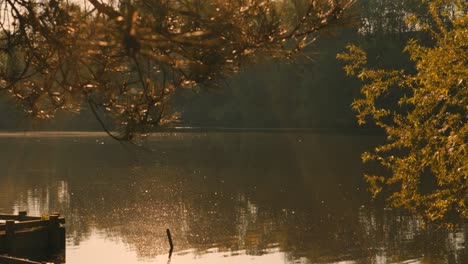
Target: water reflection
227,198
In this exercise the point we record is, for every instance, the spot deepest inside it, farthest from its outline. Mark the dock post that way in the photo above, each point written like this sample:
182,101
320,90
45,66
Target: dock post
9,235
54,234
22,215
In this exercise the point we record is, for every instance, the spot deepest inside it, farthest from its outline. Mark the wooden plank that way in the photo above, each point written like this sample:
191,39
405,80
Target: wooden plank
31,224
18,218
11,260
26,224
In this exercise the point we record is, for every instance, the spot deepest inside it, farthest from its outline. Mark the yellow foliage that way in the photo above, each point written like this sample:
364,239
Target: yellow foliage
427,129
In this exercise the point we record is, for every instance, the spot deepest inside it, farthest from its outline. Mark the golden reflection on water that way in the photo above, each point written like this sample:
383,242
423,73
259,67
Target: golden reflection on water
227,198
117,252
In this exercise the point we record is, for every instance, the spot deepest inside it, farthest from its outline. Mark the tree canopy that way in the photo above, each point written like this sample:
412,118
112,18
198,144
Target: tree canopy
125,59
424,113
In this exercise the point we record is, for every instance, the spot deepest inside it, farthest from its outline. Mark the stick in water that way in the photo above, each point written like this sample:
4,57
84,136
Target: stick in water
169,237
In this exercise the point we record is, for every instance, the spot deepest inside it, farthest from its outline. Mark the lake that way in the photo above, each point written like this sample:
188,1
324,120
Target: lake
227,197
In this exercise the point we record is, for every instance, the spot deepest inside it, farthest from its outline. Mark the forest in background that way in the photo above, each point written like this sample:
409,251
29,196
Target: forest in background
311,93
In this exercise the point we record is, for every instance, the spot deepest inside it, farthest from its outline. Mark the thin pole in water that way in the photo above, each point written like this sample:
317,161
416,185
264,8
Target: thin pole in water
171,246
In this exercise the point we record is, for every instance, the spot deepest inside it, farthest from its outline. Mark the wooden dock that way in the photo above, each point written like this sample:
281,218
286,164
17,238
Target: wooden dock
12,260
31,237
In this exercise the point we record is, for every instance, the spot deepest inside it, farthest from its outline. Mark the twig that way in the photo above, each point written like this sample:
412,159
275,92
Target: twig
171,246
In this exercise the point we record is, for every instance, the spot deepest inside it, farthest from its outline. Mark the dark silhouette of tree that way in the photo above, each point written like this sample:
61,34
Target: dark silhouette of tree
125,59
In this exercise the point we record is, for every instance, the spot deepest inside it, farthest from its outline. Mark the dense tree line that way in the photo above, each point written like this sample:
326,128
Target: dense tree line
126,58
314,93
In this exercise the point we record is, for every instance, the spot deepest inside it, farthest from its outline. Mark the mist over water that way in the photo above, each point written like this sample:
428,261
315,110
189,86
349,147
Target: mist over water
227,198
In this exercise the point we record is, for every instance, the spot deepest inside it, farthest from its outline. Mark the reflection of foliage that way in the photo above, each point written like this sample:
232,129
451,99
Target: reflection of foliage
425,116
126,58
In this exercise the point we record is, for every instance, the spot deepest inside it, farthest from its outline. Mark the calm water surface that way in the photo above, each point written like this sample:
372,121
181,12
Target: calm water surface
227,198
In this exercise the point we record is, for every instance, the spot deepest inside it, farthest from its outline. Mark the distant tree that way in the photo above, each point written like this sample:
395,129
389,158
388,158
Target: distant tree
126,58
388,17
424,113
